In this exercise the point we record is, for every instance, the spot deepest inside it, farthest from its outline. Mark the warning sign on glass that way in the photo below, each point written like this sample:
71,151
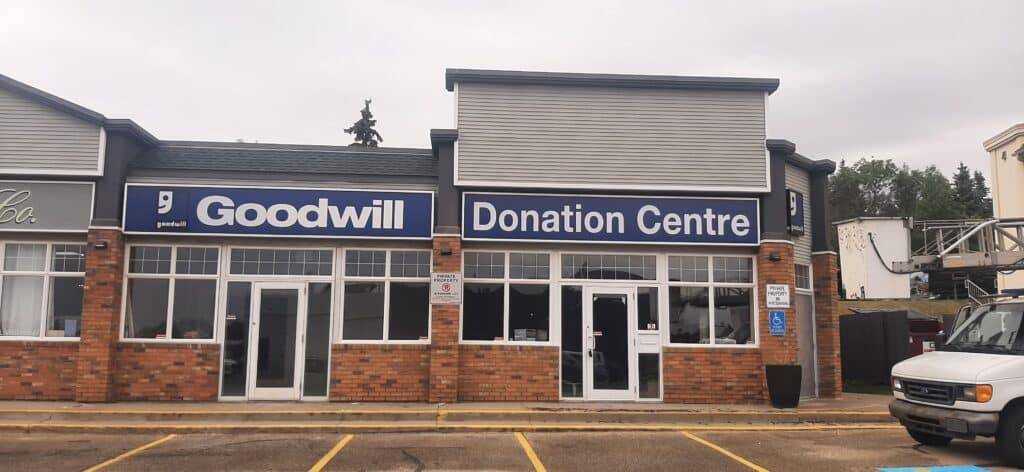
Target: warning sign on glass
446,288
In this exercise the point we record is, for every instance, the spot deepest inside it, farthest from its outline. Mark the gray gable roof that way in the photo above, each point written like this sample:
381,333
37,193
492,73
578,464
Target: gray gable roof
288,159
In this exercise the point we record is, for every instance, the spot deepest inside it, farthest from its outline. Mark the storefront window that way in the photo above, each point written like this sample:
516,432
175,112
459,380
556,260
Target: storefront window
483,307
572,341
281,262
528,312
716,312
171,301
42,289
609,267
524,315
386,296
647,308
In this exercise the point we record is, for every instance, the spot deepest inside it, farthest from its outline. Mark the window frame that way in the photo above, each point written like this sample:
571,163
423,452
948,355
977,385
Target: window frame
171,276
809,289
387,279
47,274
552,282
711,285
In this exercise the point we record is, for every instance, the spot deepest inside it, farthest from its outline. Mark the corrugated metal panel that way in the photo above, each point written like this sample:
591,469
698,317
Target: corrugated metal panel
37,138
799,180
551,136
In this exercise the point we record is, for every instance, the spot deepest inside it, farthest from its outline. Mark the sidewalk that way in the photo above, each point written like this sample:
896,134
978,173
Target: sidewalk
852,410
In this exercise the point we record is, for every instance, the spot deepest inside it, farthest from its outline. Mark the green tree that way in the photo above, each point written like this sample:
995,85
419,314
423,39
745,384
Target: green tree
963,191
363,130
982,203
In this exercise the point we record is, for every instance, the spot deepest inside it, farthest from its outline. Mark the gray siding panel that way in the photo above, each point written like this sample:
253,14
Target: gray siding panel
35,138
551,136
799,180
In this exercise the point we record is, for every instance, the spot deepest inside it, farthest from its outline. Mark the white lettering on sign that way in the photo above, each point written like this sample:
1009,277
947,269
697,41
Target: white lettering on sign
572,219
650,221
10,212
776,295
219,210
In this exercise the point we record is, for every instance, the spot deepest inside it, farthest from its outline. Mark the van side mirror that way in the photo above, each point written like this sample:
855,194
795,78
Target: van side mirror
940,340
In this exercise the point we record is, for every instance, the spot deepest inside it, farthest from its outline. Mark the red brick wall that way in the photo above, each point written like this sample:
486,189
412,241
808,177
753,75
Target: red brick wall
162,371
380,372
444,327
694,375
777,349
101,315
502,372
38,370
826,318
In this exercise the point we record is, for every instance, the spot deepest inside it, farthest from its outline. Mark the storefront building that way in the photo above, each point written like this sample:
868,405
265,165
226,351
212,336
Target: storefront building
571,237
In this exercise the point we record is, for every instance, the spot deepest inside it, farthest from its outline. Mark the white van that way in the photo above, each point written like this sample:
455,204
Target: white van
971,385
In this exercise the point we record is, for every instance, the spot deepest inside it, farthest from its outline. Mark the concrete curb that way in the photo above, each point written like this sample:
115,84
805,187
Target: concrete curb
392,427
444,416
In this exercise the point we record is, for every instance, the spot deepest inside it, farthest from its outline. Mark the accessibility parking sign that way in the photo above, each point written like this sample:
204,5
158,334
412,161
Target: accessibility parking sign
777,323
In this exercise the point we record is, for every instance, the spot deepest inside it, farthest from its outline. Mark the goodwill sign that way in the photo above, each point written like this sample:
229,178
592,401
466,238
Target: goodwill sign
680,220
162,209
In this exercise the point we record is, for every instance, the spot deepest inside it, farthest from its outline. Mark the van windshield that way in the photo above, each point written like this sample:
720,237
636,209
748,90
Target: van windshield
991,329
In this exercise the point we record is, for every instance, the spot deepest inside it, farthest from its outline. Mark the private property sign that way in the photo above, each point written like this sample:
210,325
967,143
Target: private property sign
446,288
776,295
612,219
266,211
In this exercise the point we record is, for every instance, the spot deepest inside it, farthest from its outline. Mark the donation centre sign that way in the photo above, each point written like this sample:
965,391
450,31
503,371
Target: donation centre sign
622,219
256,211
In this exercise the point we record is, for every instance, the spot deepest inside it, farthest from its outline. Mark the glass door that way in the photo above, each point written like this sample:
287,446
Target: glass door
276,347
610,350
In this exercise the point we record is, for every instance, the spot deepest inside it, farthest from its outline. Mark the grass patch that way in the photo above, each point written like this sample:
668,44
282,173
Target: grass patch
930,307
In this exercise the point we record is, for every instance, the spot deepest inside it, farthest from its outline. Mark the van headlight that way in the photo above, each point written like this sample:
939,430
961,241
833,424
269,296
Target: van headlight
897,384
976,393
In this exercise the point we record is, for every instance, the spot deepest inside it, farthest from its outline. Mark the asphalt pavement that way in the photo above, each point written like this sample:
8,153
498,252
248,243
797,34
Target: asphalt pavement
779,450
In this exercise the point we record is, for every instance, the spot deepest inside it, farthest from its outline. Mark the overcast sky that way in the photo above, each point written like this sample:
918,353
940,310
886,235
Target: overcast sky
915,81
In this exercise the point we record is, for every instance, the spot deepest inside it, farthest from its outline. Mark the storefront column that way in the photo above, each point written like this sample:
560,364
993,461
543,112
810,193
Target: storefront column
826,320
101,309
444,327
775,266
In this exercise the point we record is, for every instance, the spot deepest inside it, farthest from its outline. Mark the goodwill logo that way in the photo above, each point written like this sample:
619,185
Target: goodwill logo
277,212
611,219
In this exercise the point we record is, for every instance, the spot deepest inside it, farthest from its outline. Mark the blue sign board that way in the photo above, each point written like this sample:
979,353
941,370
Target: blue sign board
254,211
618,219
795,217
777,323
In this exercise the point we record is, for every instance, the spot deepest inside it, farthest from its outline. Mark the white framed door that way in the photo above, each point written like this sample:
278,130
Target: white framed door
609,359
277,341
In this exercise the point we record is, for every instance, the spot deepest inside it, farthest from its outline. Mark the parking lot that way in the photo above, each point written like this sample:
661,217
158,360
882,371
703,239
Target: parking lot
815,450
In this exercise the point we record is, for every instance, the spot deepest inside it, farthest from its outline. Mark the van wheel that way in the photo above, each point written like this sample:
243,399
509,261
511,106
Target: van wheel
929,439
1010,438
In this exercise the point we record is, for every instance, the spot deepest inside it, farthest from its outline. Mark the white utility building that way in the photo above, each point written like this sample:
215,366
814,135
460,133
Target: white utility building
863,273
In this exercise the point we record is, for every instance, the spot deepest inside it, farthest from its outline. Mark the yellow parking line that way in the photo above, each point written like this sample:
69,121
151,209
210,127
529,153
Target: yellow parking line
330,454
131,453
537,465
724,452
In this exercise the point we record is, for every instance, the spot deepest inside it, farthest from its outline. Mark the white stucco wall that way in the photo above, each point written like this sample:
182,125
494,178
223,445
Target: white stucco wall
864,276
1007,180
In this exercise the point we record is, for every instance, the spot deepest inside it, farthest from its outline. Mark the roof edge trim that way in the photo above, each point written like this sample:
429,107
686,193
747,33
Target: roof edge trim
452,76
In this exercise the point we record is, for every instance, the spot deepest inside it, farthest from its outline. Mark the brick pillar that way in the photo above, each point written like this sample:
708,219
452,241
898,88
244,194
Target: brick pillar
101,314
826,320
777,349
444,327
